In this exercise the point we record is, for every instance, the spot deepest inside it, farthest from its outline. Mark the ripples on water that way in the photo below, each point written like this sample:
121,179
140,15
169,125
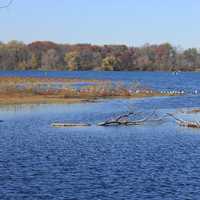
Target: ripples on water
144,162
154,161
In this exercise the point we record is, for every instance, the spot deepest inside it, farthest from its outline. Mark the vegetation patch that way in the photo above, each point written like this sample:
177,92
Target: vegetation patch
46,55
16,90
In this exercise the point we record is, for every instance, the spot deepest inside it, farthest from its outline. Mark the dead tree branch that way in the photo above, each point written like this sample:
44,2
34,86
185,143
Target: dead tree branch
6,5
125,120
181,122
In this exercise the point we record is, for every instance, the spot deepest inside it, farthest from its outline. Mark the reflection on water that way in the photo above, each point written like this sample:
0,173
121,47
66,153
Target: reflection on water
153,161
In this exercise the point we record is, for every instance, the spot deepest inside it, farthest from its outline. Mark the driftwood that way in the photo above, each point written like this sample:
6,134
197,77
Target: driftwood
125,120
193,111
189,124
121,120
69,125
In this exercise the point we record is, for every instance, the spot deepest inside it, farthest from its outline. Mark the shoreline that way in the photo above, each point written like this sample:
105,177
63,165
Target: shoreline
26,90
17,99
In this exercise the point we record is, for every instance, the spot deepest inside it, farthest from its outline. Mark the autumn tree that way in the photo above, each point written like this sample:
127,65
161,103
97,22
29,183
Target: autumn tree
50,59
191,57
110,63
47,55
89,60
72,60
33,62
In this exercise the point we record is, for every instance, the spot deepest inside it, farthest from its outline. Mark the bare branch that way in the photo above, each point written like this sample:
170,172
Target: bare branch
7,5
190,124
124,120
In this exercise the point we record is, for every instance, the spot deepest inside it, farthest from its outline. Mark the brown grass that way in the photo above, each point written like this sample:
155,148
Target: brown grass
37,80
32,99
10,93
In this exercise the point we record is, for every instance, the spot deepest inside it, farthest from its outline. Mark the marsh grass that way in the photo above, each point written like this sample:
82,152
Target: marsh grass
44,88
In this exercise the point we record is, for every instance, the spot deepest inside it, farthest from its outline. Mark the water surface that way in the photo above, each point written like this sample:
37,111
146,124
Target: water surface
152,161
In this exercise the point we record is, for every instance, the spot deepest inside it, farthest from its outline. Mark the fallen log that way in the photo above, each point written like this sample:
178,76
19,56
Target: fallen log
69,125
189,124
124,120
121,120
193,111
189,111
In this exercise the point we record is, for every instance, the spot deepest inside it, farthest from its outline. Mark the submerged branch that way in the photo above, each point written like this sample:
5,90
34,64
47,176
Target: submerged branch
181,122
124,120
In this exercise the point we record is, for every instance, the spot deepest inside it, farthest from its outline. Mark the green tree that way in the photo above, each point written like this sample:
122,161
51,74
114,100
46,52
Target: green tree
110,63
72,60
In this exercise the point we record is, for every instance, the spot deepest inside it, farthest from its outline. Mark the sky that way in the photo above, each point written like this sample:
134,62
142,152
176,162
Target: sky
130,22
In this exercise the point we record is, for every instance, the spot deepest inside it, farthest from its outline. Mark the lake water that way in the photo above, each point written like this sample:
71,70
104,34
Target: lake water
153,161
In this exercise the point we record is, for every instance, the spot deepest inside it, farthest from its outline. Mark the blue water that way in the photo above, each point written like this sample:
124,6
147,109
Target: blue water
153,161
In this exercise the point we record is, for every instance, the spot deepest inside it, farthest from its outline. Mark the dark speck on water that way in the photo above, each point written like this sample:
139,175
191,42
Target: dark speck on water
153,161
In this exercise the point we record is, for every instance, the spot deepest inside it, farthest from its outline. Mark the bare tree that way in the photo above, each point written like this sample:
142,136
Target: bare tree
6,5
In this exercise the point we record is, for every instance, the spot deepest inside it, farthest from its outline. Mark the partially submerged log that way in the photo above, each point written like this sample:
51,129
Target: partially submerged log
122,120
128,119
189,124
69,125
190,111
193,111
125,120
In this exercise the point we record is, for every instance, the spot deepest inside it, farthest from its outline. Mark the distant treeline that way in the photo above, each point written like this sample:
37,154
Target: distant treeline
46,55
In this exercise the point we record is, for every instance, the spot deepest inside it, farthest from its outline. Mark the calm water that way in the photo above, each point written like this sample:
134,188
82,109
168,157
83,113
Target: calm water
153,161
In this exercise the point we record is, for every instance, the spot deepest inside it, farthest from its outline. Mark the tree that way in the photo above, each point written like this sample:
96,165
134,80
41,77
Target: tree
50,59
110,63
191,56
72,60
33,62
7,4
89,60
16,55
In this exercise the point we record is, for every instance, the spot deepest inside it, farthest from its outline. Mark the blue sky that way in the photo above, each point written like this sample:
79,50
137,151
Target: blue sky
131,22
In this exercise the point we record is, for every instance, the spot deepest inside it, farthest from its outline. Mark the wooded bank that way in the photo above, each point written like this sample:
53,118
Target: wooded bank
45,55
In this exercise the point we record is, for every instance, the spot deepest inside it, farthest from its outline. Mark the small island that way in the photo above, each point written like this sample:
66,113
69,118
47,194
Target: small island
27,90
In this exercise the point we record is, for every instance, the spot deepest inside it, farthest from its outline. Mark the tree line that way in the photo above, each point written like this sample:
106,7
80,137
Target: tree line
45,55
